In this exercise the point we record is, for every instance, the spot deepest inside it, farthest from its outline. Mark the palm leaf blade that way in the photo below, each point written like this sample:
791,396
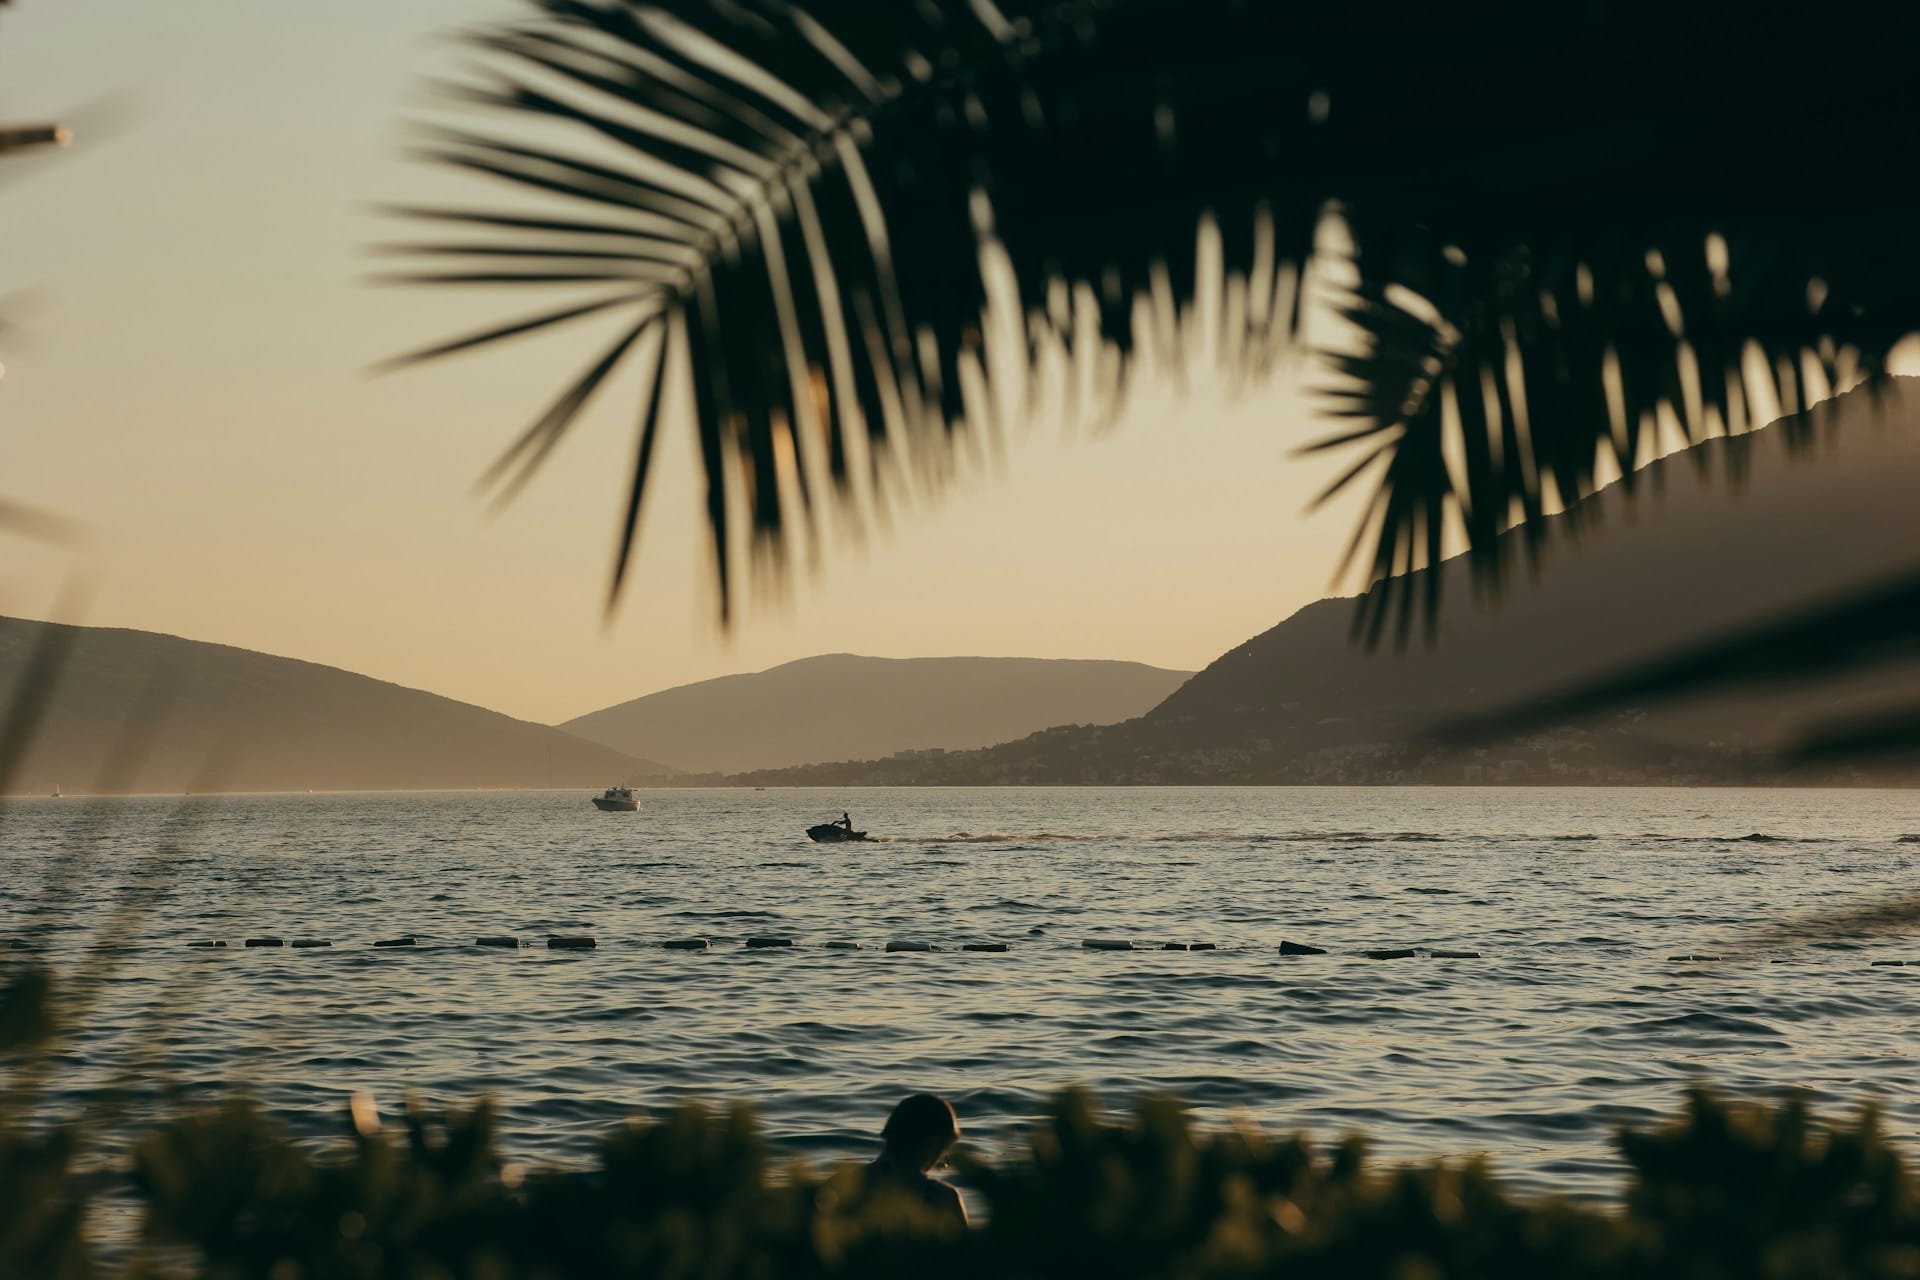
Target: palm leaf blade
1538,294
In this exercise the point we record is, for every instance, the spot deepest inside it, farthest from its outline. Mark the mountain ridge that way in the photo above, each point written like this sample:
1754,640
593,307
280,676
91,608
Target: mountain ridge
1298,703
218,717
815,708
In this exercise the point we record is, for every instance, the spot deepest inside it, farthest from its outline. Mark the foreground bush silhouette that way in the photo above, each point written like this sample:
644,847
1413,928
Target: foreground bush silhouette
1721,1190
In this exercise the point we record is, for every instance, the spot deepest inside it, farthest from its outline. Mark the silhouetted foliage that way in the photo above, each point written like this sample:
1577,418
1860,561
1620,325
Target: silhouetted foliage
1570,226
1725,1191
427,1201
41,1207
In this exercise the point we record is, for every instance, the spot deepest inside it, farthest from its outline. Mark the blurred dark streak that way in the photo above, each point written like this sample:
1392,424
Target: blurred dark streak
143,1059
1874,627
76,995
40,526
131,746
1881,737
35,146
30,700
1890,914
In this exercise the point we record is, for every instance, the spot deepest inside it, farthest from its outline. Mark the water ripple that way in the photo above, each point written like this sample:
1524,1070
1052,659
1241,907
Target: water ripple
1573,1019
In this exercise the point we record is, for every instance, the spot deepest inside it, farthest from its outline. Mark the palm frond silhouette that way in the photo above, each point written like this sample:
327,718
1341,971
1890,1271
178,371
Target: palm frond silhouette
1575,231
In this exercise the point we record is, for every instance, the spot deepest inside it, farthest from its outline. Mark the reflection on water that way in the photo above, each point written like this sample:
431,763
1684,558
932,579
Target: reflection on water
1573,1020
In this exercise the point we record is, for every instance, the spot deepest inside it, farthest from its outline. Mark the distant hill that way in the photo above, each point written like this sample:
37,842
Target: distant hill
1686,559
202,717
840,706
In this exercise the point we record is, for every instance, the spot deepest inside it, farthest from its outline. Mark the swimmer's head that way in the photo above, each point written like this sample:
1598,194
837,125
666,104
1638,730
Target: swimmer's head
920,1130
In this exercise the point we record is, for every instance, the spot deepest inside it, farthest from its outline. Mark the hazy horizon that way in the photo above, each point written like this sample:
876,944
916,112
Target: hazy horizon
726,675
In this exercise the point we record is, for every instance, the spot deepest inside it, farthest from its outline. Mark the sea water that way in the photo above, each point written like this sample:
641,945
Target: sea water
1572,1021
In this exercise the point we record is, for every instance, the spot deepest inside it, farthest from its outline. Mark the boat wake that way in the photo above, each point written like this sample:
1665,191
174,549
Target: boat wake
1321,837
982,837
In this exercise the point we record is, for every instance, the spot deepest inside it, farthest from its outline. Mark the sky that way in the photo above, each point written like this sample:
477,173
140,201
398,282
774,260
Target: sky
190,333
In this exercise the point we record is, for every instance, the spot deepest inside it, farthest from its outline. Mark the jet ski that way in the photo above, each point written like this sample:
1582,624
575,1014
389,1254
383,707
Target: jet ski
834,833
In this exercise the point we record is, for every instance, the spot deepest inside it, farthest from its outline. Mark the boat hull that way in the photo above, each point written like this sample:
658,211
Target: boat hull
615,806
833,833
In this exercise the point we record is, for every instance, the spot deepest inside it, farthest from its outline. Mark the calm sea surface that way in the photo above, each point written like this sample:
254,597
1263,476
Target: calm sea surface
1572,1021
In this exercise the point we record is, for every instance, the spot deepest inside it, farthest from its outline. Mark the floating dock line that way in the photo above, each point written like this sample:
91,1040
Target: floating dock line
1693,957
1881,963
759,942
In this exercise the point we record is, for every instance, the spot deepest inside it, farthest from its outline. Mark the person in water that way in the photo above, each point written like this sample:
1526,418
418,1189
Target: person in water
917,1137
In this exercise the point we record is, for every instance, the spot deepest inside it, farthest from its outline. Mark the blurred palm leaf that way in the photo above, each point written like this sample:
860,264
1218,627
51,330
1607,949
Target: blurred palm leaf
22,520
1877,627
27,137
1571,227
29,147
1498,397
803,201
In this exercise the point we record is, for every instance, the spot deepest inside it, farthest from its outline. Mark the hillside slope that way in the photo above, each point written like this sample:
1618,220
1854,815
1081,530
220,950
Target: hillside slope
1687,558
842,706
208,717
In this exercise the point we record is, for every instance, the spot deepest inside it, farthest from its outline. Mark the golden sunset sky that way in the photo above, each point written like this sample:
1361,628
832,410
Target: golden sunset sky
189,377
